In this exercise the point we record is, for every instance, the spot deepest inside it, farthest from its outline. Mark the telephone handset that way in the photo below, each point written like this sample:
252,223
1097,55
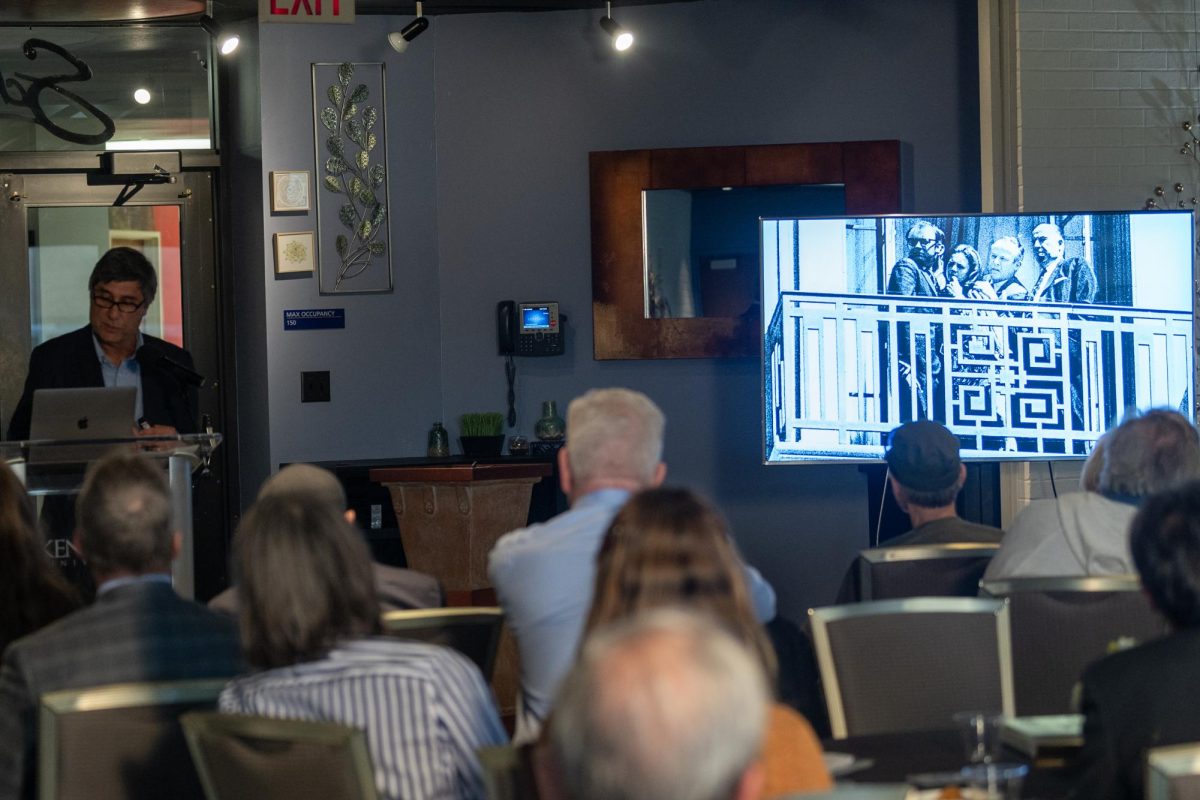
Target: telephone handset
529,329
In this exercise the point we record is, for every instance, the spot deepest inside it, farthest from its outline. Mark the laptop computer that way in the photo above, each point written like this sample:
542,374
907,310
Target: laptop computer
74,414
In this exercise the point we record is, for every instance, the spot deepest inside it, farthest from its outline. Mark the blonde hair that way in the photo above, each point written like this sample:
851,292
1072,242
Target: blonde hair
671,548
614,434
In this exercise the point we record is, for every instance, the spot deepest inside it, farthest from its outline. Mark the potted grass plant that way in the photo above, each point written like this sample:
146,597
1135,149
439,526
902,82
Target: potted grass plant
481,434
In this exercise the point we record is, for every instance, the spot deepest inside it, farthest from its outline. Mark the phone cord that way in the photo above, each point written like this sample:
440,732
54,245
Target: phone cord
510,372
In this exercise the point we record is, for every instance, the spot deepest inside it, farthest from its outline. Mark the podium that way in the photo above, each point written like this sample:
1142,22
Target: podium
450,515
56,468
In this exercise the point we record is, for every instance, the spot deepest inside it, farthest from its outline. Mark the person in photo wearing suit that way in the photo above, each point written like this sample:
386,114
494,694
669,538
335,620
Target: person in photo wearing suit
137,630
1145,697
111,350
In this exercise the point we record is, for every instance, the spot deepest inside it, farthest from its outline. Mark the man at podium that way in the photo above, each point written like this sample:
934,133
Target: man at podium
111,351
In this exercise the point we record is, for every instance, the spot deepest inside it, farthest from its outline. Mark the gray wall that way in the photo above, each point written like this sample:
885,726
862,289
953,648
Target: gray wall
490,121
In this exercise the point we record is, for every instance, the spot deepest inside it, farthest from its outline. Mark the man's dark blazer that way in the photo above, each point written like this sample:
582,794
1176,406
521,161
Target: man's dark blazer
69,362
138,632
1134,700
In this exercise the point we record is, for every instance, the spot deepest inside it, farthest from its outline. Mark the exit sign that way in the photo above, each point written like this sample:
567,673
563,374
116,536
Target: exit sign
306,10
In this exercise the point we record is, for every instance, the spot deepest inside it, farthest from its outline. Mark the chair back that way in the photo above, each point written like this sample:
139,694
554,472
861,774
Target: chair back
1060,625
902,665
507,774
122,740
1173,773
858,791
472,631
242,757
921,570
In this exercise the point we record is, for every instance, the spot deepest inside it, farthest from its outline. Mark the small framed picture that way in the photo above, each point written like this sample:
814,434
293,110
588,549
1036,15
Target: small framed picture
289,190
294,253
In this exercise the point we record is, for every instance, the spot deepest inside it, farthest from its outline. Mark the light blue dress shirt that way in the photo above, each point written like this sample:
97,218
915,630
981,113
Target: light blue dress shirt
127,373
543,576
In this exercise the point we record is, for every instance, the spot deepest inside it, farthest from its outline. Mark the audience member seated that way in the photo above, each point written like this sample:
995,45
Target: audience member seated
670,548
33,592
1087,533
665,705
137,630
310,620
543,573
1146,697
397,588
926,475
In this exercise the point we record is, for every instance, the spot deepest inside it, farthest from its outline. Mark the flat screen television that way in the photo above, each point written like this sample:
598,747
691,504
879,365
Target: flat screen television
1027,335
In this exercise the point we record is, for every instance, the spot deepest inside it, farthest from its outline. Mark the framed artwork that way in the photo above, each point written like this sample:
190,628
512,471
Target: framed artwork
289,190
294,253
354,253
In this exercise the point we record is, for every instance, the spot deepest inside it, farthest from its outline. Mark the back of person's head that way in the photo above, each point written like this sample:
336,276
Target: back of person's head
1150,453
123,515
305,580
33,592
1089,477
669,547
125,264
923,458
306,479
1165,540
665,706
614,434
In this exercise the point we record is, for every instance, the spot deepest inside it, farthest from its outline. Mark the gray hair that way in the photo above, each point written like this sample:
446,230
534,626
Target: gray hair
124,515
308,480
1150,453
614,433
666,706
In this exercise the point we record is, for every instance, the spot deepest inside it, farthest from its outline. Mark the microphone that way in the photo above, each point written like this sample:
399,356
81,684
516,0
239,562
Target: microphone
152,356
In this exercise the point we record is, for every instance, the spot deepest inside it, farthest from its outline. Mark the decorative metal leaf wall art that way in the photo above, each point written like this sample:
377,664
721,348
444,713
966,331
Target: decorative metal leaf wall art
351,153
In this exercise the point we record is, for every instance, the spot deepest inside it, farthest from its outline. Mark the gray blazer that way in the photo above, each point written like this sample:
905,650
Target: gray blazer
397,588
138,632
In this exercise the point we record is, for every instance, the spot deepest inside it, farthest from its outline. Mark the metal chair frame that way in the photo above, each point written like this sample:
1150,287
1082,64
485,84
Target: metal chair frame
1165,763
198,724
55,705
917,552
822,617
398,623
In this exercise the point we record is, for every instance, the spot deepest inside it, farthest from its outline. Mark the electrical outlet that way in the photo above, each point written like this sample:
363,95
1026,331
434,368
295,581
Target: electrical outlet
314,387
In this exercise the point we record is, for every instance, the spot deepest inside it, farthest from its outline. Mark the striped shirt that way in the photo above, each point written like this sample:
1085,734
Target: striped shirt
425,711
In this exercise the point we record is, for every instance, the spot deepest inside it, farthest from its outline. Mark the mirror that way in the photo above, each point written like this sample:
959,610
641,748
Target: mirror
701,256
629,320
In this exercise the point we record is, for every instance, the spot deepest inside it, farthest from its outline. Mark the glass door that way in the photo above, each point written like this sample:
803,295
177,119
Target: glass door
53,228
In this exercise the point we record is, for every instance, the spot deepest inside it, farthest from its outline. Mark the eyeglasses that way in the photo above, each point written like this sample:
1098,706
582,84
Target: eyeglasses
922,242
103,301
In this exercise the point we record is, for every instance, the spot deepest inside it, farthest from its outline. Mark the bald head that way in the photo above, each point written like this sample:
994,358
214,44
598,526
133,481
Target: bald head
666,706
309,481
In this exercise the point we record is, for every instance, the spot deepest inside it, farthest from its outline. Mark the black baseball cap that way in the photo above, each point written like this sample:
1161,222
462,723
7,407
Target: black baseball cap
923,456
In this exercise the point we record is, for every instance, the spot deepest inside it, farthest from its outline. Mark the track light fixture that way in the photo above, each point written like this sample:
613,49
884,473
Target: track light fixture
226,42
399,41
622,39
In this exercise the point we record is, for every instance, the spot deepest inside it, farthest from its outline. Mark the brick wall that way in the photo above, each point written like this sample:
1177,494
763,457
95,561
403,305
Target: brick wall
1103,87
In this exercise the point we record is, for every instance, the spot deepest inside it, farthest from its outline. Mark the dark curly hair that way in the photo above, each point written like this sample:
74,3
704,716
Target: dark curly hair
1165,540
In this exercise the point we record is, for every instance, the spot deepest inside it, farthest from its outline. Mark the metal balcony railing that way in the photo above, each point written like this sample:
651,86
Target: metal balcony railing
1037,379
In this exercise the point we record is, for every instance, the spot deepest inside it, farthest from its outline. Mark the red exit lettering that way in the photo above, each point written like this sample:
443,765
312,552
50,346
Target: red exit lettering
310,9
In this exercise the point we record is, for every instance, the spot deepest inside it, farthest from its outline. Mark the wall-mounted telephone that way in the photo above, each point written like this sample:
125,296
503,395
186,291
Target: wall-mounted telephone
529,329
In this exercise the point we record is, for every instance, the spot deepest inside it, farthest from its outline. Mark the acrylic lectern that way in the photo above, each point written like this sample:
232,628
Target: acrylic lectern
56,468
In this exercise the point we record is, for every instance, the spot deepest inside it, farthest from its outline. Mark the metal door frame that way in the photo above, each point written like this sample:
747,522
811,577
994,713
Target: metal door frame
204,335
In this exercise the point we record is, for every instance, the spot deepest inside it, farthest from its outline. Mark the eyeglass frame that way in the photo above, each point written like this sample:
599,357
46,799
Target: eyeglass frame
104,303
